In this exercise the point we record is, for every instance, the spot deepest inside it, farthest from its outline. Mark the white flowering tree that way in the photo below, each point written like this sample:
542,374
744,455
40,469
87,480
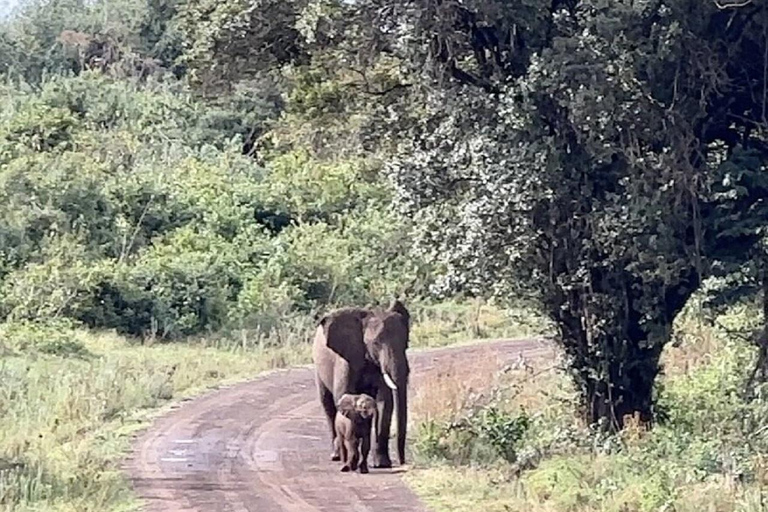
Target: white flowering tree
600,157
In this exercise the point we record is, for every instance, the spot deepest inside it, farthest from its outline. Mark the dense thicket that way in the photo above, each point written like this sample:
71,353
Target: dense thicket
128,207
175,166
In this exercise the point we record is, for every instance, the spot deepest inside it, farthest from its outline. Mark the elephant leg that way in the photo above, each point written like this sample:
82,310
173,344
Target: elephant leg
352,453
344,452
329,406
339,448
384,406
365,447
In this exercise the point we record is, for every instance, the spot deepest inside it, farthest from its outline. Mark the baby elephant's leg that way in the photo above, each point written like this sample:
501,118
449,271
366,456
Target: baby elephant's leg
365,447
352,450
343,453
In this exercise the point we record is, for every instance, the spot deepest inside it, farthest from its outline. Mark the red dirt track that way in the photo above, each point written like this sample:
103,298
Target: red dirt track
264,446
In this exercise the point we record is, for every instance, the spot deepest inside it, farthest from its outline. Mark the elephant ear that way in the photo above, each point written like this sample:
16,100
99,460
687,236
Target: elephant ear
346,405
396,306
343,331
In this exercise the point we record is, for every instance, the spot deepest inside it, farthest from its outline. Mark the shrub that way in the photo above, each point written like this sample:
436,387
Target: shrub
123,207
262,303
55,336
179,287
57,286
311,189
502,431
484,434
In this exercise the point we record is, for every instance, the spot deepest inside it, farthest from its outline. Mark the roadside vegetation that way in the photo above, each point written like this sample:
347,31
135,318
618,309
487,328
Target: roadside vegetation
185,185
514,442
68,417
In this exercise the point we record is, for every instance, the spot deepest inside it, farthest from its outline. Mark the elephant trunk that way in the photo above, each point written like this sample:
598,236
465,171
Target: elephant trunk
399,387
402,420
395,371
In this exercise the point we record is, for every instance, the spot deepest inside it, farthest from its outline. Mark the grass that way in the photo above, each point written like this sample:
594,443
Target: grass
70,400
464,489
67,421
453,322
710,454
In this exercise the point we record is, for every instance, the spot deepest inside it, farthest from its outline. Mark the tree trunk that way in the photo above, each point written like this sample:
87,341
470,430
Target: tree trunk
614,348
625,388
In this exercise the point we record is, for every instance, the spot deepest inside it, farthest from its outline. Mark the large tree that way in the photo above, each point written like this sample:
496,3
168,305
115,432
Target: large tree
602,157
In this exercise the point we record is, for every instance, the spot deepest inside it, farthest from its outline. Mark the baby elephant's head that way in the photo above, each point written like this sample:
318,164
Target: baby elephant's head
357,406
365,406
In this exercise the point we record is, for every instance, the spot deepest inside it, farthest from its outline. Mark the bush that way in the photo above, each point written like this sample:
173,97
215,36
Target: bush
313,190
57,286
124,208
181,286
55,336
484,434
262,303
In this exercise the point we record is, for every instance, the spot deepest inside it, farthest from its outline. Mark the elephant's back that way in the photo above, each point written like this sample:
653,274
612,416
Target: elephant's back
343,425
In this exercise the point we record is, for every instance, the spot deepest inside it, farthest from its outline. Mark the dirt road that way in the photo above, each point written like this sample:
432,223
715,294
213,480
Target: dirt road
263,446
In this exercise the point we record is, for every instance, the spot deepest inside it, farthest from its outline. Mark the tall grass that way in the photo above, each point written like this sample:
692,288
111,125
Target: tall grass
66,422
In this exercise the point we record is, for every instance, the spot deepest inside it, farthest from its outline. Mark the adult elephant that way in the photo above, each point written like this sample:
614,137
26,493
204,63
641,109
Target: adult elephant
359,350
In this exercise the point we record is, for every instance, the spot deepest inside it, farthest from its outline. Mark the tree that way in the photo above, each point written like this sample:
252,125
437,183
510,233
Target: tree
601,157
126,37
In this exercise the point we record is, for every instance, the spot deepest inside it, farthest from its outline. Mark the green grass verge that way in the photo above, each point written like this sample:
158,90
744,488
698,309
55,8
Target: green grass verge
464,489
67,422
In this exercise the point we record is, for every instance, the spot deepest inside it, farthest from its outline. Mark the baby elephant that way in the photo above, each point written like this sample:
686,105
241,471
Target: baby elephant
354,416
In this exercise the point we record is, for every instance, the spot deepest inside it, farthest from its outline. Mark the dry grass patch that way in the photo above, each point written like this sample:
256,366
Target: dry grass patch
446,391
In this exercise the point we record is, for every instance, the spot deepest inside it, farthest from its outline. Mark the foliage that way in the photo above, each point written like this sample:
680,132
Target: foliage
486,430
132,202
57,286
55,337
125,37
313,189
598,157
236,39
171,168
125,209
